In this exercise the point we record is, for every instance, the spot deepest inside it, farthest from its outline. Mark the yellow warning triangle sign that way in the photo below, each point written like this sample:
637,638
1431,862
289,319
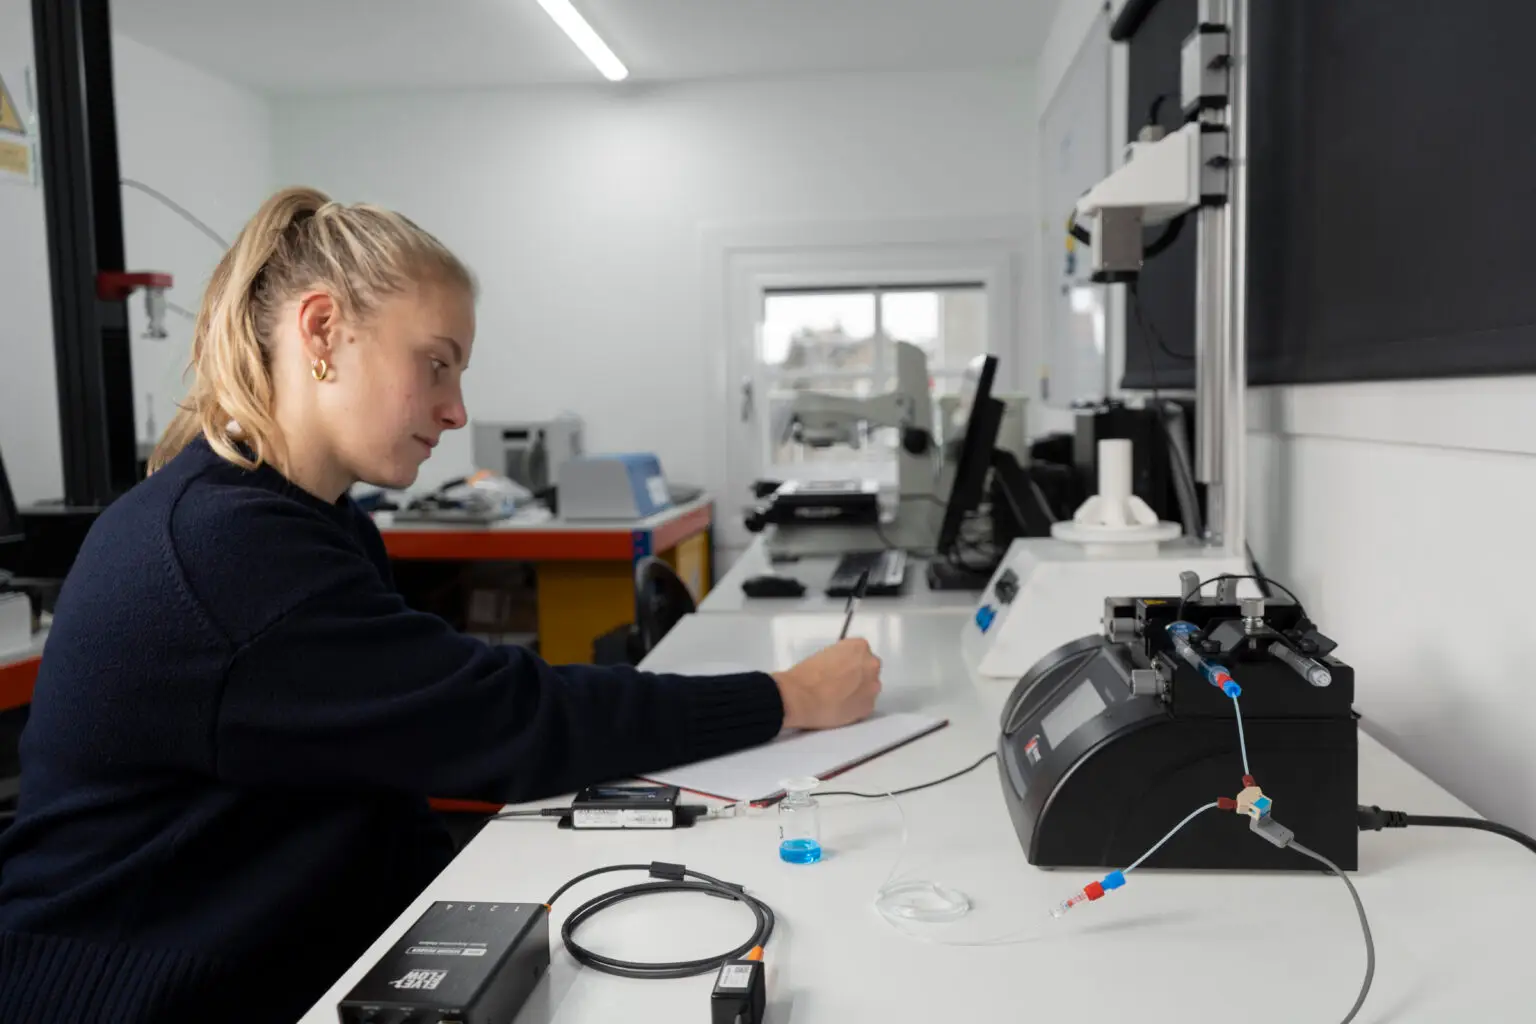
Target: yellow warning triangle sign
10,118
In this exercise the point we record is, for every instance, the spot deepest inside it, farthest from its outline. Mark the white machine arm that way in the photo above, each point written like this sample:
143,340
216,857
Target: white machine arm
824,420
821,419
1161,180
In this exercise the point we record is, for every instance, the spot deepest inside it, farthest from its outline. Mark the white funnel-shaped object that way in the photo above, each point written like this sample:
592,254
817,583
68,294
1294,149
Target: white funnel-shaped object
1115,521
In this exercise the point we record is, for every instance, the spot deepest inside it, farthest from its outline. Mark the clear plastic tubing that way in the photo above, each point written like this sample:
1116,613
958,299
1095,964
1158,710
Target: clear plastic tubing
1179,633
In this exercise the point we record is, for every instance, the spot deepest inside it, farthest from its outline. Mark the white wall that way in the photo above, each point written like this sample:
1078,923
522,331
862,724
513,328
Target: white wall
205,143
584,210
1401,513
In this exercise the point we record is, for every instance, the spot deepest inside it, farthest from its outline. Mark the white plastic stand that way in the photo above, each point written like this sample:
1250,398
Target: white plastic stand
1115,522
1053,590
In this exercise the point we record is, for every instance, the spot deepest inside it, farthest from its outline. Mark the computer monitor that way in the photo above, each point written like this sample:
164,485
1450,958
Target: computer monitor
10,526
10,518
983,421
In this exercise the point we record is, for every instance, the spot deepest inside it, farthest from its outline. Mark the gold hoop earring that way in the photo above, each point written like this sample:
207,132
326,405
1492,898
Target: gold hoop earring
319,369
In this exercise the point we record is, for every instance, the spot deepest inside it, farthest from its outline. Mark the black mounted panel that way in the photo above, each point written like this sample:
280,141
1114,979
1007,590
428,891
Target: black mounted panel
73,42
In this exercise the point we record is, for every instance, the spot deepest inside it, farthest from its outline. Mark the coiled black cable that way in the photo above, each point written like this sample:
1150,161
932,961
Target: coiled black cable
671,878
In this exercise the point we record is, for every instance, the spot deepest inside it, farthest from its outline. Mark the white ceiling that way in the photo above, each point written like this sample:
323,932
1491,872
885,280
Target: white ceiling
324,46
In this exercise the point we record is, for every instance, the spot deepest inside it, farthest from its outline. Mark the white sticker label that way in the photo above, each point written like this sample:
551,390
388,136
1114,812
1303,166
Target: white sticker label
619,817
659,493
735,976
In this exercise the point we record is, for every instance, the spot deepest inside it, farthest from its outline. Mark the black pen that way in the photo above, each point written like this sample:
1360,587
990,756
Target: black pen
853,603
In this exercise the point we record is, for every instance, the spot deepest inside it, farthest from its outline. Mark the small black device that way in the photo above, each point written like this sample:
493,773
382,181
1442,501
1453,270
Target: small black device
460,963
10,518
886,570
610,807
740,995
1111,739
772,586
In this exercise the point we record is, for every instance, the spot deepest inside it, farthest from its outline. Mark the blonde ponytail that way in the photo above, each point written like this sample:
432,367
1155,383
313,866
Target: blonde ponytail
299,239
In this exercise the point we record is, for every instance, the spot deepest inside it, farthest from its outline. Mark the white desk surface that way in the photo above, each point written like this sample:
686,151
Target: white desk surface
814,572
1449,908
533,523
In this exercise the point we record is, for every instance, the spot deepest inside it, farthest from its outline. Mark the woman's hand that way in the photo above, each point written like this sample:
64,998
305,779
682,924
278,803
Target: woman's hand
835,686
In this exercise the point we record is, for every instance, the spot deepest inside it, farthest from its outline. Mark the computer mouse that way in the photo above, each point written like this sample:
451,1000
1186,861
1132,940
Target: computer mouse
772,586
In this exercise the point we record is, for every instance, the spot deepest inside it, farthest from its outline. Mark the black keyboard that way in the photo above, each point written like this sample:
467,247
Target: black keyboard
887,573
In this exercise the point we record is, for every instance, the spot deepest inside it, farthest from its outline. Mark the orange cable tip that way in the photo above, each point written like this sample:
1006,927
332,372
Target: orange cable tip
547,908
756,954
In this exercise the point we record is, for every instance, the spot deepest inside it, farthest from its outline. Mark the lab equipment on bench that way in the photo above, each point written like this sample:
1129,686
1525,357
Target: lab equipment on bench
1181,701
478,499
625,486
531,452
818,503
468,962
803,518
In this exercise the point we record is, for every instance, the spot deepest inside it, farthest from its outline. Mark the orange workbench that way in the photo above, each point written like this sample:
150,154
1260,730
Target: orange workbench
17,677
584,570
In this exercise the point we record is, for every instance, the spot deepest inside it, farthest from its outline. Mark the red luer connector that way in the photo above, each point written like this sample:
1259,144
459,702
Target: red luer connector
1248,781
1226,803
1093,890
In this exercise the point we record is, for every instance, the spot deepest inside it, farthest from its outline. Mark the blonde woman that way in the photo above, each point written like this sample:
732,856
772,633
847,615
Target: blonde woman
238,720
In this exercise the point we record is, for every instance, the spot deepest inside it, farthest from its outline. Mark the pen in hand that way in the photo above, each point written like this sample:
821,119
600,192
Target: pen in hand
853,603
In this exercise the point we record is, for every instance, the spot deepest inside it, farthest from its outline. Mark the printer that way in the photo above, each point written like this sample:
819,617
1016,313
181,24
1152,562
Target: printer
530,452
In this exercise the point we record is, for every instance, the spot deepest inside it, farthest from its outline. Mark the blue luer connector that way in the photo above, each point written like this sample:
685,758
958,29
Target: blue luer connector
1113,880
984,616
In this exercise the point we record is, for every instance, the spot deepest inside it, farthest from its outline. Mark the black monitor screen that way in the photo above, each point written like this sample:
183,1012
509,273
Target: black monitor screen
10,519
982,424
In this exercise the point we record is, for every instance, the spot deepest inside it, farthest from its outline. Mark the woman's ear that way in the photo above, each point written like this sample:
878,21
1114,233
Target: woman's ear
318,325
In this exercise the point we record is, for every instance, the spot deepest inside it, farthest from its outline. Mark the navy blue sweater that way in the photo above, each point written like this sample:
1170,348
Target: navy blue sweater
235,730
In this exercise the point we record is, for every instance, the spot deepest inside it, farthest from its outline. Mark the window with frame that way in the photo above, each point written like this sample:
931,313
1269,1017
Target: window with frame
841,341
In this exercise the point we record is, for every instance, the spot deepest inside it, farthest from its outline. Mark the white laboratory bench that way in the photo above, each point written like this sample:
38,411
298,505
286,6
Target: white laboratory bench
1448,907
814,572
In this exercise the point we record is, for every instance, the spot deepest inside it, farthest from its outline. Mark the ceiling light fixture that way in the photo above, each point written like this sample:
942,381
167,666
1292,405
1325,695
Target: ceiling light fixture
589,42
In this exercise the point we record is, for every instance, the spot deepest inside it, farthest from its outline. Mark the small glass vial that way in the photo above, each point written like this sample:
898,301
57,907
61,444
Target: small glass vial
799,822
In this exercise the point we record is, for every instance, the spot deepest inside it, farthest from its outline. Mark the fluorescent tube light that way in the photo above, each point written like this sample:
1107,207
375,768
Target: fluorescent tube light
589,42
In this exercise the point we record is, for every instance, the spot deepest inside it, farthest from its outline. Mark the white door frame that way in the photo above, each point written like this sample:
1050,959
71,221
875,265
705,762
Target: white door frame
741,262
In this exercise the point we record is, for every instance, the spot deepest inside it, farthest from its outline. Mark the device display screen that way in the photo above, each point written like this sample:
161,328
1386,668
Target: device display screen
1074,711
626,793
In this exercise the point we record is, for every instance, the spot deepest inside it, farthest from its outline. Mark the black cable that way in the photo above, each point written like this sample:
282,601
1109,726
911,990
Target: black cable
911,789
1150,332
672,879
1165,238
1258,570
1375,819
1365,926
1184,599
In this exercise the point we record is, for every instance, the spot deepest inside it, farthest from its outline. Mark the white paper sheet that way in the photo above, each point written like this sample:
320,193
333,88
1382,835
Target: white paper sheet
757,774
